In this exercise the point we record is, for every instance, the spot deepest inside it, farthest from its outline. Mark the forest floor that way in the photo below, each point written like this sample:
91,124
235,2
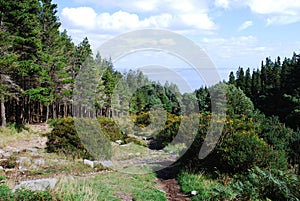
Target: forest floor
33,162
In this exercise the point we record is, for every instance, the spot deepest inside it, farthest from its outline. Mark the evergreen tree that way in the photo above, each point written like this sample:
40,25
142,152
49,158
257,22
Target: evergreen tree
248,83
240,81
232,78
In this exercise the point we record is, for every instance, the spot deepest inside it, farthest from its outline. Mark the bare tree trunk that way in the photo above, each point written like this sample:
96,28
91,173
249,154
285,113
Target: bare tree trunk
3,125
47,113
65,109
54,111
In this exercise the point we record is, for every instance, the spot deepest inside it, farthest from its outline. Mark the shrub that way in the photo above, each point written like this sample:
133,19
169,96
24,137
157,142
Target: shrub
294,149
135,140
110,129
170,130
275,133
255,184
243,150
85,139
64,139
271,184
5,193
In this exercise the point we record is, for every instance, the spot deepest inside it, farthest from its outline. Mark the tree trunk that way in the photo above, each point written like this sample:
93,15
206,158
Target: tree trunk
47,113
3,118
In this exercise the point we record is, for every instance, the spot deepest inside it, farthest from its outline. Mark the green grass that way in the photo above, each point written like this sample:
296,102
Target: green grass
198,182
110,186
11,134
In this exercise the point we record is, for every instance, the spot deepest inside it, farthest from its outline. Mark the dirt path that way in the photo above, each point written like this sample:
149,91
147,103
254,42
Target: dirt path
172,189
167,179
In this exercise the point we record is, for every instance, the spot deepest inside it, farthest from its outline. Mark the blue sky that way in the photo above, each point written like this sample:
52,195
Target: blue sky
232,32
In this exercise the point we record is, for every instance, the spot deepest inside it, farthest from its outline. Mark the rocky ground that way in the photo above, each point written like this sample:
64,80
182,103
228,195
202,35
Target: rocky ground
27,160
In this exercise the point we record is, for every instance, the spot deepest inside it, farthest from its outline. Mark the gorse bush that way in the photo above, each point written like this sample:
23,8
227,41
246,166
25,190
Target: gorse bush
110,129
242,148
248,138
83,138
170,130
64,139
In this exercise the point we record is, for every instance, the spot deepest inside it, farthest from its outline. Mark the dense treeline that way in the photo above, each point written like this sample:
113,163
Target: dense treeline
274,88
38,63
41,70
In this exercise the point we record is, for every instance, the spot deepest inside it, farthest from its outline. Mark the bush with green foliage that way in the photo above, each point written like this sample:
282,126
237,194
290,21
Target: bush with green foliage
64,139
170,130
241,148
88,139
248,138
261,184
110,129
255,184
294,150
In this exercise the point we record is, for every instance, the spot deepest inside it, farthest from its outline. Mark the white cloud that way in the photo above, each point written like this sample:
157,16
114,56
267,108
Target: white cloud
80,17
276,11
231,47
199,21
120,21
289,7
283,19
150,6
245,25
222,3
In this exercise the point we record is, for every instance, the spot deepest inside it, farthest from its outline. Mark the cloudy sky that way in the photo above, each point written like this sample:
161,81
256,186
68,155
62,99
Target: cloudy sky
232,32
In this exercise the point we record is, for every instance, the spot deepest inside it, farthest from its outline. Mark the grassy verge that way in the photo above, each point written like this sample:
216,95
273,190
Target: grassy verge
197,182
110,186
11,134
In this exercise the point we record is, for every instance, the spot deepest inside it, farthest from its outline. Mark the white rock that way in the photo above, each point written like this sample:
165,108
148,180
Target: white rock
106,164
89,163
39,162
119,142
33,150
193,192
7,154
37,185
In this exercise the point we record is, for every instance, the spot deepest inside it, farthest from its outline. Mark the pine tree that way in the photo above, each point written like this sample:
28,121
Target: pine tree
240,81
248,83
232,78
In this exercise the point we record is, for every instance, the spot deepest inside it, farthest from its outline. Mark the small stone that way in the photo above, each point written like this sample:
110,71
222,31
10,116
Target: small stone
39,162
6,154
3,162
37,185
23,160
119,142
89,163
33,150
138,154
107,164
193,192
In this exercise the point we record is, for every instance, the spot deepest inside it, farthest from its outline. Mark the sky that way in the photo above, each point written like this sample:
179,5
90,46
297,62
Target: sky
233,33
